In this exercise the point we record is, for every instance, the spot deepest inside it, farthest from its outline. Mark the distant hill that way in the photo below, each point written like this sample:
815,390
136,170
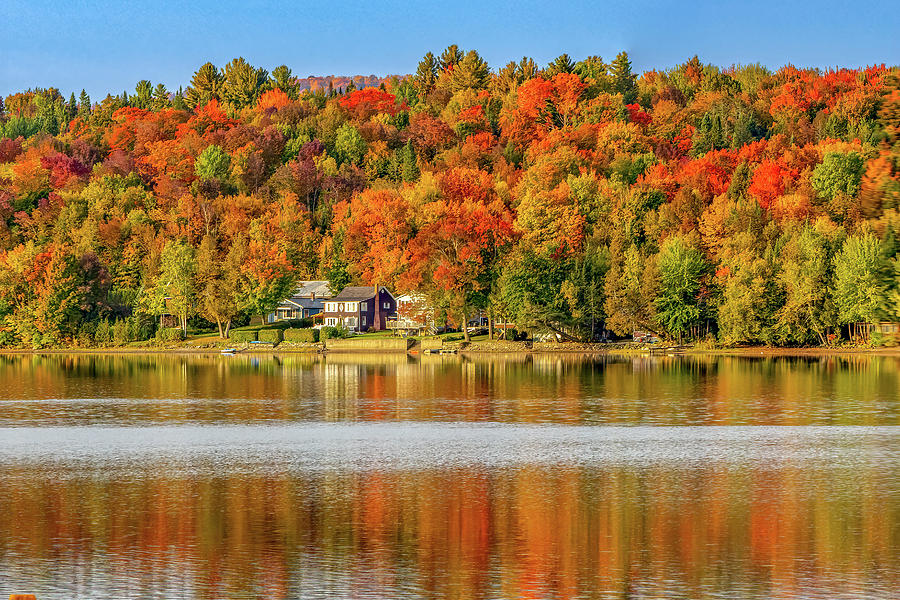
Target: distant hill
314,83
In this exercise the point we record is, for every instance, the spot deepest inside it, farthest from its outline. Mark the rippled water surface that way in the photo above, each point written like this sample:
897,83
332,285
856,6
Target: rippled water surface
447,477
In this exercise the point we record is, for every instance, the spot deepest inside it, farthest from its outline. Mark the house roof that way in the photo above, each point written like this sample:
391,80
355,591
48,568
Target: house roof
307,288
356,293
308,303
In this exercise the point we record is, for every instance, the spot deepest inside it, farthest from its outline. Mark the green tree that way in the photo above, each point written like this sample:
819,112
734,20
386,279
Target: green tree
206,85
426,74
160,97
213,164
218,280
349,145
409,168
839,172
71,107
526,69
709,135
746,309
450,57
623,80
284,80
740,181
84,105
629,289
595,73
561,64
681,270
531,288
862,280
243,83
471,73
174,291
806,278
143,94
178,100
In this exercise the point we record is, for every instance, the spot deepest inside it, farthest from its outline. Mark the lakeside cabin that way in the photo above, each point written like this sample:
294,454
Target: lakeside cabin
361,308
307,301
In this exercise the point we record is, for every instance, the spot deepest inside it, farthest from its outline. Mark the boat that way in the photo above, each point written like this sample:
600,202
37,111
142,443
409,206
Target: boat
229,350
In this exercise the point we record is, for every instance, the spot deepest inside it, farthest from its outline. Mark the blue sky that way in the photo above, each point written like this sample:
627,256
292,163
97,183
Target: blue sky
108,46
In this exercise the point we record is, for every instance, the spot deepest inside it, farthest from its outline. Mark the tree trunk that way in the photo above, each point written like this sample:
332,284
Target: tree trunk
227,328
465,326
184,324
219,325
491,325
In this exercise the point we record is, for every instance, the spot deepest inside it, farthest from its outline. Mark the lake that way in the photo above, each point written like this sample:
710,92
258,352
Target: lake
489,477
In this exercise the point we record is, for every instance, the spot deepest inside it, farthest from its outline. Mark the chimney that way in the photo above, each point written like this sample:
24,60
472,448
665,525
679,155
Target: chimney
314,295
377,310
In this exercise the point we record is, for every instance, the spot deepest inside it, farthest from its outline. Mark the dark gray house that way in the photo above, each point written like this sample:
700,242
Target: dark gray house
359,308
307,300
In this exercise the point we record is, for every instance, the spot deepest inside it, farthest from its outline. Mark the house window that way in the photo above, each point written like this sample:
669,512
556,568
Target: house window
387,304
363,320
331,321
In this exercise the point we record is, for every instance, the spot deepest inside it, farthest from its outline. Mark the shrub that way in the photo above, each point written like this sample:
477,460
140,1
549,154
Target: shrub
85,337
101,334
329,333
119,332
242,336
272,336
170,334
301,335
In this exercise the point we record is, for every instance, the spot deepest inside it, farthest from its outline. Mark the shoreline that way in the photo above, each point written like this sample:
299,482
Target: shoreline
541,349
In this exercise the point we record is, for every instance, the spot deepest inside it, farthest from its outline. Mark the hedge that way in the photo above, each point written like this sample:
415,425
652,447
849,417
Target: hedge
273,336
301,335
170,334
330,333
242,336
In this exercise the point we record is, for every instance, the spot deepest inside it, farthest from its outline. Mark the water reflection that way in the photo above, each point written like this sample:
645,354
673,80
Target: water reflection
840,390
445,477
541,532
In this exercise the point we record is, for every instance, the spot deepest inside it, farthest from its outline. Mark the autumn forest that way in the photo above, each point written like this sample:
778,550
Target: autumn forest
731,206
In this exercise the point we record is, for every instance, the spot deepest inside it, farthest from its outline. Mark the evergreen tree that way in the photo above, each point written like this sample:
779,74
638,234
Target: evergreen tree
160,97
143,94
740,181
470,73
561,64
71,107
526,69
409,169
450,57
426,74
179,102
709,135
284,80
206,85
243,83
624,81
84,105
595,73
